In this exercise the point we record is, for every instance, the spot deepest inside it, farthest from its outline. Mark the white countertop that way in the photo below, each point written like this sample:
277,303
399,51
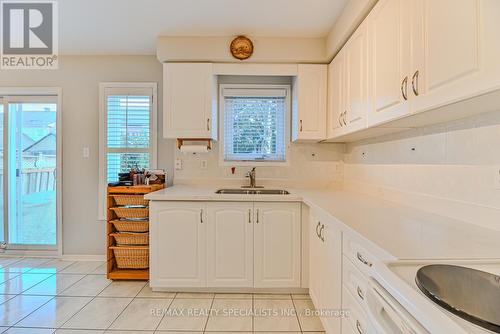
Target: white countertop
403,232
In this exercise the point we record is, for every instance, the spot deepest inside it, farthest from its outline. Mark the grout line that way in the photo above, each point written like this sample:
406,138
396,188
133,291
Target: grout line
32,311
296,314
210,309
163,316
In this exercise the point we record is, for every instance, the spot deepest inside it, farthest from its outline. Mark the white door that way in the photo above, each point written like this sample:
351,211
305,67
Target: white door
336,96
277,245
188,93
356,80
309,102
331,291
230,244
388,54
446,35
178,244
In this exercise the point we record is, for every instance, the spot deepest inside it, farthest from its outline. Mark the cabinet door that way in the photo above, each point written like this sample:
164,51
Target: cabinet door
277,245
309,103
336,97
189,91
230,244
356,80
388,54
315,261
178,234
331,291
446,34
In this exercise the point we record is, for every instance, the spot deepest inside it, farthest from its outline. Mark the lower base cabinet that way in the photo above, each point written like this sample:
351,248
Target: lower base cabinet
225,244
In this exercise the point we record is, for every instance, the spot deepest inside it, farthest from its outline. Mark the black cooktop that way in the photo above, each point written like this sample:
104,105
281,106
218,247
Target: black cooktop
468,293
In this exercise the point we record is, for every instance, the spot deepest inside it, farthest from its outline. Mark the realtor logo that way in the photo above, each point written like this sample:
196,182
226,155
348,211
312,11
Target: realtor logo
28,34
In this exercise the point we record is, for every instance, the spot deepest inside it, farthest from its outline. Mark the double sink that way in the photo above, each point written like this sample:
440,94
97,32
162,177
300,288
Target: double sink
252,191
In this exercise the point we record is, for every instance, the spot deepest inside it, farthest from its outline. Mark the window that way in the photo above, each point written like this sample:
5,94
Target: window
128,137
254,119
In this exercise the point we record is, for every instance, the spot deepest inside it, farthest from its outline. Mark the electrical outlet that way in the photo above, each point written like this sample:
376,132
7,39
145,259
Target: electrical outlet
203,164
86,152
178,164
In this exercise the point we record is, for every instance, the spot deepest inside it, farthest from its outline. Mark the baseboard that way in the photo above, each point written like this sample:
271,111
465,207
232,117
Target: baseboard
82,257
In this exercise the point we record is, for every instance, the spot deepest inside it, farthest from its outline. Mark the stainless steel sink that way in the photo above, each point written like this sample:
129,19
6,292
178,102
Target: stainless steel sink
238,191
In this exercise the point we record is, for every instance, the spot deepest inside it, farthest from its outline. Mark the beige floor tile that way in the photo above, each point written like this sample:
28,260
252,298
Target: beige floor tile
147,292
180,332
55,313
54,285
272,296
4,298
308,322
18,307
134,332
51,267
5,276
142,314
98,314
186,315
196,295
3,329
22,283
233,296
82,267
230,315
14,330
101,270
78,331
25,264
301,296
123,289
8,260
275,315
90,285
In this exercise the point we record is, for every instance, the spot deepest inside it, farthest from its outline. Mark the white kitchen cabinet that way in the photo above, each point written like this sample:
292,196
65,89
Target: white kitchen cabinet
178,244
336,96
325,269
309,103
189,101
230,244
277,245
388,50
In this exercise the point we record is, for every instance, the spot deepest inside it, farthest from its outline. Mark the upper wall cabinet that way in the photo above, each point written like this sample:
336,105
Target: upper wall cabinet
348,86
189,101
309,103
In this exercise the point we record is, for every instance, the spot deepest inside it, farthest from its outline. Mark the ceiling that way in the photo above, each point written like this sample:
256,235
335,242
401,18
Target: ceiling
132,26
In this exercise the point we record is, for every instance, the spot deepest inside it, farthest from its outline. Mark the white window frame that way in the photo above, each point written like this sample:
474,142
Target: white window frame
125,88
249,88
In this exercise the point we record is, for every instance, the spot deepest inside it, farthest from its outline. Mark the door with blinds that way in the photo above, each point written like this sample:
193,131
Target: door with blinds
30,152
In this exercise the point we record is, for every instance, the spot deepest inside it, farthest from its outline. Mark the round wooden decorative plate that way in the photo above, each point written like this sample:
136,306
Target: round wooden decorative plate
241,47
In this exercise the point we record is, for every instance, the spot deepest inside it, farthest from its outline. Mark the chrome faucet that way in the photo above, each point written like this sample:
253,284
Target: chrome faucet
251,174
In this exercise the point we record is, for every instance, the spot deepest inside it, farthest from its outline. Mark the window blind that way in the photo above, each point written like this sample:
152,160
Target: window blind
254,124
128,133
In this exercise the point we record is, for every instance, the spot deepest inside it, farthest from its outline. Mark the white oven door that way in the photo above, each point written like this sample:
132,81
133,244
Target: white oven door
387,315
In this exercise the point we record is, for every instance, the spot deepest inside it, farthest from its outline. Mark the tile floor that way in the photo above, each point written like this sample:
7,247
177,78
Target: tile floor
39,296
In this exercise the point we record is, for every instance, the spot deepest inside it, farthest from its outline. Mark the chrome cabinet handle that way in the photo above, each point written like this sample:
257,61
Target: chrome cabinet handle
360,293
321,233
208,124
340,120
317,233
345,117
257,216
359,328
414,82
404,88
300,122
363,260
201,216
249,216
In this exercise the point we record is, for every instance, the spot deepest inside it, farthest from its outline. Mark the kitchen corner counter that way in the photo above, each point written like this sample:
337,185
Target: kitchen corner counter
400,231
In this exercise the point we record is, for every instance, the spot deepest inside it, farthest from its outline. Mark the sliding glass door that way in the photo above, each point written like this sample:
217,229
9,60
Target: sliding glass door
30,160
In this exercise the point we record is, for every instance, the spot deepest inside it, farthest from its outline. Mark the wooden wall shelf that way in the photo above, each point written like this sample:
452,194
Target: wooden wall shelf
113,272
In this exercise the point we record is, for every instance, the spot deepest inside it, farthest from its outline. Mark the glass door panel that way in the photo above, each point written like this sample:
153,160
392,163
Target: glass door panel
2,211
32,173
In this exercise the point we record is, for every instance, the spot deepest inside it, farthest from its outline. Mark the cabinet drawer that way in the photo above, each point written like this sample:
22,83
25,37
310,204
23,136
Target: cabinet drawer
354,281
357,318
362,259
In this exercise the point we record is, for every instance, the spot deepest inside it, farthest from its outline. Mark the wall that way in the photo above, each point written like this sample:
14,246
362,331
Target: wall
79,78
451,169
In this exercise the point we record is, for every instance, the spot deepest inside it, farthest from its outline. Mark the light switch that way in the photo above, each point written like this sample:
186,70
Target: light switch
86,152
203,164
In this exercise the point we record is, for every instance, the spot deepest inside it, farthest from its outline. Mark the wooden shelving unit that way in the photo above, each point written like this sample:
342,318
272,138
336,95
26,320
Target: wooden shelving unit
113,272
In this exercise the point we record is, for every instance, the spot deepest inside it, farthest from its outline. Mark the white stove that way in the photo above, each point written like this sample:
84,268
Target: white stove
407,271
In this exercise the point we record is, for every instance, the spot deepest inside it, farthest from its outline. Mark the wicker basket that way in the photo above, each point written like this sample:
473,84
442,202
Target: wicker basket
135,239
128,200
131,225
131,257
131,213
